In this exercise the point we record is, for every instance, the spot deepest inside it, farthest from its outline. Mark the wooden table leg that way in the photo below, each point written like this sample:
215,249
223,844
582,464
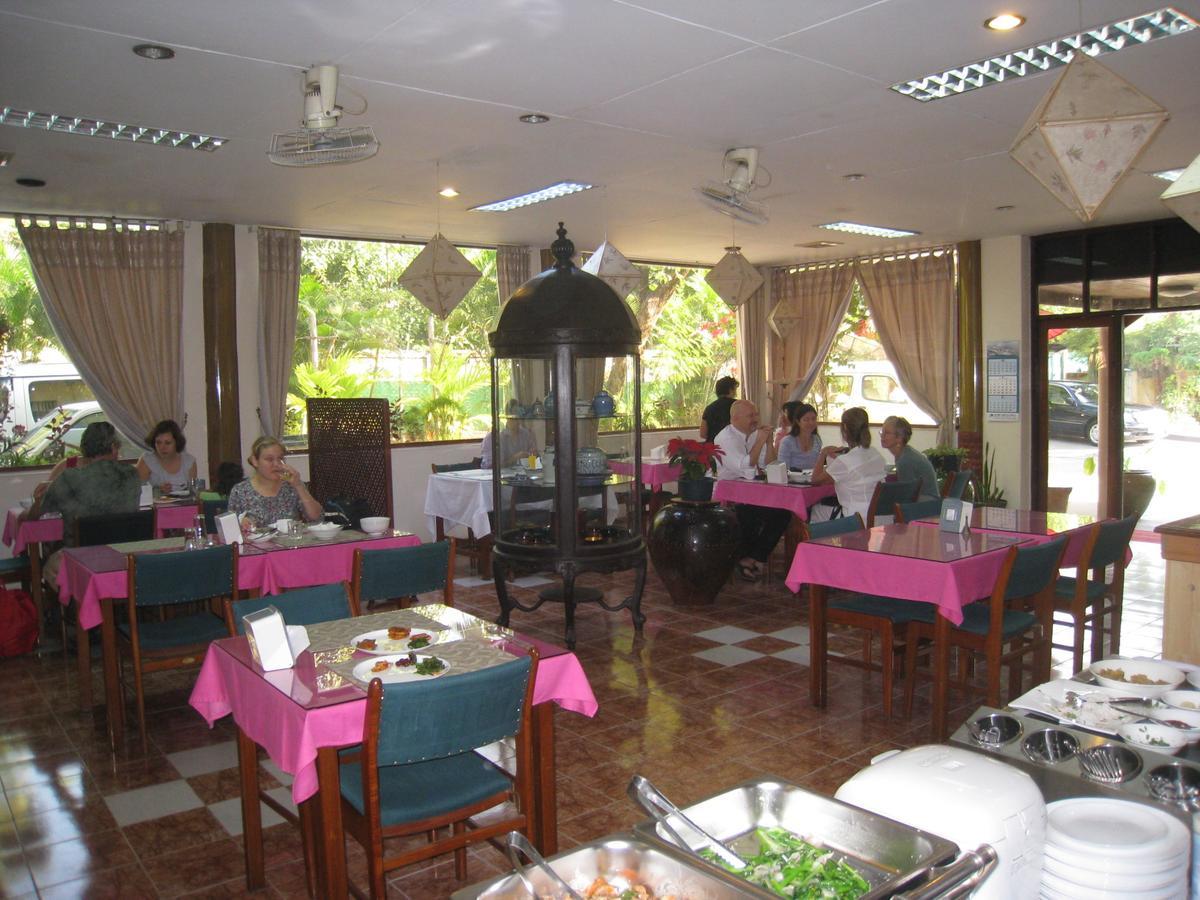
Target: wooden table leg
818,681
941,675
34,549
252,838
113,707
543,830
331,844
83,659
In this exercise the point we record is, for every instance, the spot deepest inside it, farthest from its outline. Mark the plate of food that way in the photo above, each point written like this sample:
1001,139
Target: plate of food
1088,707
399,639
396,667
1143,677
259,535
803,476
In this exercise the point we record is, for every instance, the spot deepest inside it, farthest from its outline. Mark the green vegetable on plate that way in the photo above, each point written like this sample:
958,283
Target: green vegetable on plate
791,867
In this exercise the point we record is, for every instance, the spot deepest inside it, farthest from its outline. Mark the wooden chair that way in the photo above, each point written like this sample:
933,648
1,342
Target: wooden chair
884,616
1084,602
159,581
1011,625
918,509
302,606
417,771
887,495
114,528
956,486
211,509
402,573
477,549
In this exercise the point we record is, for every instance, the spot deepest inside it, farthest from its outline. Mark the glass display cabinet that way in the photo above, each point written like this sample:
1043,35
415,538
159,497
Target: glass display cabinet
566,483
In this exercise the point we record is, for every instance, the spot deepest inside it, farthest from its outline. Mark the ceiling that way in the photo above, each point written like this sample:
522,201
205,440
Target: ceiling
644,96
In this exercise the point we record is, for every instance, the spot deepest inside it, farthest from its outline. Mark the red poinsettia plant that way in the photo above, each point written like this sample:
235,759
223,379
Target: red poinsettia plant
694,458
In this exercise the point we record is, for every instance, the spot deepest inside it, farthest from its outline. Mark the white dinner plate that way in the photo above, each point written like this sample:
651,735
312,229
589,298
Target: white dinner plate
179,494
393,673
1056,886
804,477
1131,879
1051,699
1117,828
1193,678
1103,866
384,644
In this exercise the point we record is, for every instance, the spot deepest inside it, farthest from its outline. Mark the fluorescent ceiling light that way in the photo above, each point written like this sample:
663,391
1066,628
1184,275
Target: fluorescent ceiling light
819,245
1168,174
869,230
1048,55
552,192
138,134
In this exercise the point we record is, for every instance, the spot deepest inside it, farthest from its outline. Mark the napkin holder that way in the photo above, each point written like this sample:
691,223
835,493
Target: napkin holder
777,472
956,515
274,644
147,498
658,453
229,527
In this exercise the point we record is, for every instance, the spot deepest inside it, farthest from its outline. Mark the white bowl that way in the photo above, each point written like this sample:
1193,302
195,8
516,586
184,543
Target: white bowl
1143,677
1181,699
324,531
1190,717
374,524
1154,736
1193,678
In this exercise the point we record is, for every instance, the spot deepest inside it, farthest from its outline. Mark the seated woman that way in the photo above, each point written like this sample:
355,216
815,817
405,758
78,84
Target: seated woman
854,469
911,465
802,445
275,490
168,468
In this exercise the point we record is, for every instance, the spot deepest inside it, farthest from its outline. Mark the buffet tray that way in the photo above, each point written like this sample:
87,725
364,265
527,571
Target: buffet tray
664,870
891,856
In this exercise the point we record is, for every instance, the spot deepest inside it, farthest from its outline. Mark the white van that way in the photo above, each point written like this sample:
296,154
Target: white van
874,386
37,389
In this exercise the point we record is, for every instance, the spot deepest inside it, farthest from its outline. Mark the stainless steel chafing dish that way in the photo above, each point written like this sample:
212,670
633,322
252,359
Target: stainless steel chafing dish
663,870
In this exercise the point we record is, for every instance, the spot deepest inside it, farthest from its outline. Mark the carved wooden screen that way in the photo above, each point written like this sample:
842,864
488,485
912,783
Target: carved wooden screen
349,443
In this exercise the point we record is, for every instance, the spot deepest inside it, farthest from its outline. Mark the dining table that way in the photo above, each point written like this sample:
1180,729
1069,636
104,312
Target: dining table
795,497
656,475
462,498
302,716
903,561
93,577
1038,526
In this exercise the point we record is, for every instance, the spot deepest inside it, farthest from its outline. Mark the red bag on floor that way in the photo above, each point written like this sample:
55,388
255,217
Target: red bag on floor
18,623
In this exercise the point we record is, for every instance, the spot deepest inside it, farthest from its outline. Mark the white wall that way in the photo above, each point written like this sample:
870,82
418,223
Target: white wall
1005,276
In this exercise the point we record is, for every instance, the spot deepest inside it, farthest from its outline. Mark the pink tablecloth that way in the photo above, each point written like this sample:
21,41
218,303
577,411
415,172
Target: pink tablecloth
655,472
18,534
796,498
291,734
88,574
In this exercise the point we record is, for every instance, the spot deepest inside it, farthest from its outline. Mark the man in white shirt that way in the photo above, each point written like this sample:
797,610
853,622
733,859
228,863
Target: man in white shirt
747,447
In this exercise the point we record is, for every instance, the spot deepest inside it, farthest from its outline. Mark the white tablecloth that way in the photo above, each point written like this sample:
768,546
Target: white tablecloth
461,499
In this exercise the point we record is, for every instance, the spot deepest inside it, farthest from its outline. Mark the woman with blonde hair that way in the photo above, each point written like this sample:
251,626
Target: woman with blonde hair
854,470
275,490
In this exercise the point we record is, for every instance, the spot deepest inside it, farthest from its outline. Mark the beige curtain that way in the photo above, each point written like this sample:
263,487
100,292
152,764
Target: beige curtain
512,269
912,304
752,346
809,307
115,299
278,300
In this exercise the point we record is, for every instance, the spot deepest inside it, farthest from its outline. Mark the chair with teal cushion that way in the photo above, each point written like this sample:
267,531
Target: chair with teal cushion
887,495
885,616
1093,602
403,572
165,636
956,486
920,509
1013,624
417,772
301,606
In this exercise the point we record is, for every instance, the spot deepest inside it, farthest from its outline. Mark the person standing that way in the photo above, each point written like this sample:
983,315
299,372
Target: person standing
716,415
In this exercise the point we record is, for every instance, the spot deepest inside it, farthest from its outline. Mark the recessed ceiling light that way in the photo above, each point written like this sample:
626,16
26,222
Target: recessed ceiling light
5,158
448,192
138,134
541,195
1168,174
854,176
31,182
154,51
869,230
1047,55
1004,22
535,119
819,245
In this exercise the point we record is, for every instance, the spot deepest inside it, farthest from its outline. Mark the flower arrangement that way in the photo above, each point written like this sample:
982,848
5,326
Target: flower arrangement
694,458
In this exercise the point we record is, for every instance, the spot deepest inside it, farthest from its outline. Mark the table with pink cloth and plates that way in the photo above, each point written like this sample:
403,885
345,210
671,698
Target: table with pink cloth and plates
907,562
302,716
89,576
656,474
794,497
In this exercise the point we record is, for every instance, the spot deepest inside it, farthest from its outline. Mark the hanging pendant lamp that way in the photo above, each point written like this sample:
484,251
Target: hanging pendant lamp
610,266
440,276
1183,197
733,278
1085,134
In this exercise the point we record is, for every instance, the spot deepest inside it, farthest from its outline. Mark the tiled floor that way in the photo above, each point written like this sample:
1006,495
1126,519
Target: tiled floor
706,698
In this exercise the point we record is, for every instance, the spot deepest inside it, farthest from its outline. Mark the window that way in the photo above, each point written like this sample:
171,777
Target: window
880,387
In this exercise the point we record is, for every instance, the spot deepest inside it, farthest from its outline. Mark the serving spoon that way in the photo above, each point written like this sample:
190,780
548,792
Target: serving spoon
647,796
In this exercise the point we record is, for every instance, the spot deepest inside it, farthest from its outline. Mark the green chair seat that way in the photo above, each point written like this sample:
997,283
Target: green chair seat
1066,588
977,620
410,793
182,631
898,611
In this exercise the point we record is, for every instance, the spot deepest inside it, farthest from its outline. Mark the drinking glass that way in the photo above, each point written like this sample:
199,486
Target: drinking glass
199,532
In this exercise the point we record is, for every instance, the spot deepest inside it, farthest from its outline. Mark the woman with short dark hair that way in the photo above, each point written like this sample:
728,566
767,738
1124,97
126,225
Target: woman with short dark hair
167,467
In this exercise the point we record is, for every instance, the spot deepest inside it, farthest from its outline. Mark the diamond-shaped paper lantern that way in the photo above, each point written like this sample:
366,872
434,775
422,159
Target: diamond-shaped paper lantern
1184,195
1085,134
610,266
733,278
440,276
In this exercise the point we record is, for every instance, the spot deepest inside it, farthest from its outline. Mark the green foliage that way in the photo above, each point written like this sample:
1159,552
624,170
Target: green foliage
453,399
1166,352
334,379
856,322
987,491
27,329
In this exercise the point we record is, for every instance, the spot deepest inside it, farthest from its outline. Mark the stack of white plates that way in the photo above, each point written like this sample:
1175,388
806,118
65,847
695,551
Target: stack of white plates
1098,847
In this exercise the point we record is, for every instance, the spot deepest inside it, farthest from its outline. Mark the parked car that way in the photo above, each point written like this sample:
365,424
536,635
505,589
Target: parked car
66,424
1074,411
875,387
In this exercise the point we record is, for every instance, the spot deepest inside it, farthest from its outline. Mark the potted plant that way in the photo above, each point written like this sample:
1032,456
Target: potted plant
987,491
695,460
1137,486
946,460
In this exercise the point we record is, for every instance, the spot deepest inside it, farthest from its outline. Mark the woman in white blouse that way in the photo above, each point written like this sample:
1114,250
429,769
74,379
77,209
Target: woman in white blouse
854,469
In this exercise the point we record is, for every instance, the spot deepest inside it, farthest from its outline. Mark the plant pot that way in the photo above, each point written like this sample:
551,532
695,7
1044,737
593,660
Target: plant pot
694,546
1137,490
695,488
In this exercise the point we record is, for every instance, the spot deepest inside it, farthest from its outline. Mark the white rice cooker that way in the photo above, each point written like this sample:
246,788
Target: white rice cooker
964,797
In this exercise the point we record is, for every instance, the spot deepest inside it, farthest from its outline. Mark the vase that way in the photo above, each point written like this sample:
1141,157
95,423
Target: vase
695,488
693,546
1137,490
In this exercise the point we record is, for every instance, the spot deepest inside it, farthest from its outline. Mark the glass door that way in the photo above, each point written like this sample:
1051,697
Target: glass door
1075,416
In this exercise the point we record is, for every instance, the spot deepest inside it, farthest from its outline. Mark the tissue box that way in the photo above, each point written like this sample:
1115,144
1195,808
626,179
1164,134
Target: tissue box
777,472
273,644
229,527
659,452
956,515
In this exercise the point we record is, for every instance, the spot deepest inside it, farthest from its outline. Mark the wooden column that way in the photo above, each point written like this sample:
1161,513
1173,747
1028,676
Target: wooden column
970,337
220,347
